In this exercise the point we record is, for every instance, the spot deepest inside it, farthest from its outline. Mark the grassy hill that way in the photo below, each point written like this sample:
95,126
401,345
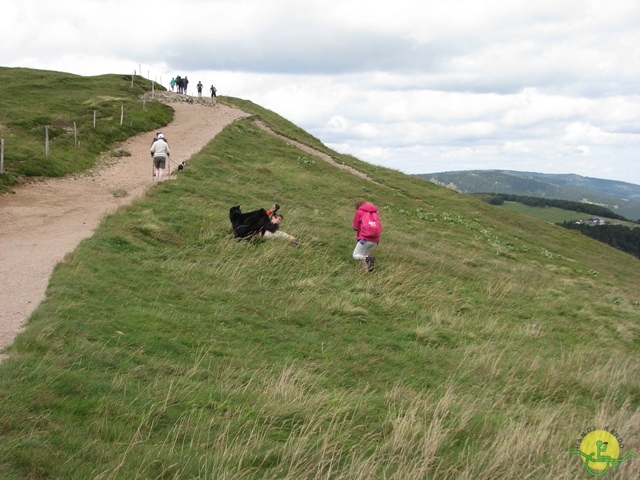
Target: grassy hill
557,215
483,346
548,214
35,104
621,197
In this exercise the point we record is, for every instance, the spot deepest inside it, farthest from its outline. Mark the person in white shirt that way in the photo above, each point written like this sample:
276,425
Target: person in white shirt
161,153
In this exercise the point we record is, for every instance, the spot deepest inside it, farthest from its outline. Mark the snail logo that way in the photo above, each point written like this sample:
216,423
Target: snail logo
600,449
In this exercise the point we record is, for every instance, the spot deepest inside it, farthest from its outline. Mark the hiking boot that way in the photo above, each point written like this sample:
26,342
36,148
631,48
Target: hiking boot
370,261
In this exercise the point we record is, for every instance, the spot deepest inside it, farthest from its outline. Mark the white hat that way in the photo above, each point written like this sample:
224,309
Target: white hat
160,135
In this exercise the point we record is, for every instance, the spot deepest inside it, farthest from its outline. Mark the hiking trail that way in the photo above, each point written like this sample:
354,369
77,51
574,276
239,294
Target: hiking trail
46,219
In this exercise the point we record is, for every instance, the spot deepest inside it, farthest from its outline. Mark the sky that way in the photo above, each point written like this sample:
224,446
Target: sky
551,86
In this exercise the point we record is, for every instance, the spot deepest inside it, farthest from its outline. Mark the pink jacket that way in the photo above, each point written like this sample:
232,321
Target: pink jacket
357,221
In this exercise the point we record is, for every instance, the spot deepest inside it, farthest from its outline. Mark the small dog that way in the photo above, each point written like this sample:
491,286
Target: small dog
181,166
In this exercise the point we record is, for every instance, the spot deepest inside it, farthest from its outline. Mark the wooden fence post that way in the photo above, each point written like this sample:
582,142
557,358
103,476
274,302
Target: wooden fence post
1,155
46,141
75,134
121,114
94,119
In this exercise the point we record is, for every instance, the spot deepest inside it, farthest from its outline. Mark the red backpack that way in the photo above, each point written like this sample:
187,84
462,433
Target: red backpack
370,226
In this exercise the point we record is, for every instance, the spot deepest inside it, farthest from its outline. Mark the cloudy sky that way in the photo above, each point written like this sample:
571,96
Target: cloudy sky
550,86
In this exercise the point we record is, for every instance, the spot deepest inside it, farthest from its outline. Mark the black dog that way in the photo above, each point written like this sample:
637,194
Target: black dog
181,166
247,225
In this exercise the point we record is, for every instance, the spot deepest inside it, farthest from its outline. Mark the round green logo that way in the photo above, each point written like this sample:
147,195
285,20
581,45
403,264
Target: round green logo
600,450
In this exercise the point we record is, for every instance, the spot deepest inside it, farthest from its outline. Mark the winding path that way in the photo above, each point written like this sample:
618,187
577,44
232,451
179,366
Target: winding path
46,219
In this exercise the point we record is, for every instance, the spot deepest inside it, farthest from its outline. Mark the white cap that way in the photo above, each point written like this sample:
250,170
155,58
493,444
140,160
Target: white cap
160,135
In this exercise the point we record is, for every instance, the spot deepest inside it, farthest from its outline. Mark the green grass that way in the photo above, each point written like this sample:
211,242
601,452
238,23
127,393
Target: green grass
481,347
556,215
32,101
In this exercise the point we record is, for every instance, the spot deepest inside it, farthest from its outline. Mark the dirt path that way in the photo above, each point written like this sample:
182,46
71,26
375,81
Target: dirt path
317,153
45,220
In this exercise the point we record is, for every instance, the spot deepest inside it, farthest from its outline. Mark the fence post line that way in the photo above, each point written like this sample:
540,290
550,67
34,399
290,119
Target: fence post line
94,119
46,141
121,114
1,155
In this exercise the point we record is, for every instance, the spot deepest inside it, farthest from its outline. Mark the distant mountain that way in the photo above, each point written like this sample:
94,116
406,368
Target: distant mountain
620,197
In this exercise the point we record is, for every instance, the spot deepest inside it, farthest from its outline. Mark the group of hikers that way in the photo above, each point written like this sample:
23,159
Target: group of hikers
179,83
263,223
182,83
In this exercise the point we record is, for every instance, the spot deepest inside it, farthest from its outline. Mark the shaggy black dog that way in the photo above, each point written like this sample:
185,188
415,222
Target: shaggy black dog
247,225
181,166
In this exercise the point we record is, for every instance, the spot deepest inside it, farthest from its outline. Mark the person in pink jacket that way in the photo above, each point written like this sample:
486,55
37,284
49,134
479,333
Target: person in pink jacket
368,227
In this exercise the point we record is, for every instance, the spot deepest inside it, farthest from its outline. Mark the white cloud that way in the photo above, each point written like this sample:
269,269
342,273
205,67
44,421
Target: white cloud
517,147
579,132
338,123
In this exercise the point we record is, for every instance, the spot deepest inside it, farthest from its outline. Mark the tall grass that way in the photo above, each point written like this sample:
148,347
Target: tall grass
481,347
